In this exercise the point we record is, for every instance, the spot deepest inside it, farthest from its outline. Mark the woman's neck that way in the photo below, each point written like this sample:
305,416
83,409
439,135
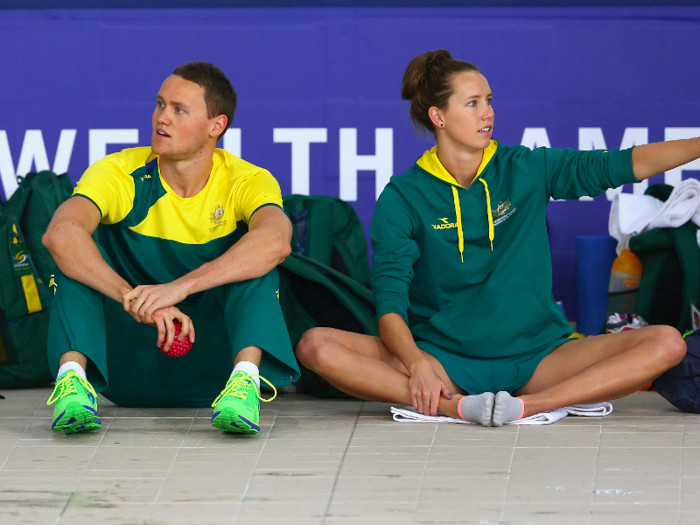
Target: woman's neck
463,164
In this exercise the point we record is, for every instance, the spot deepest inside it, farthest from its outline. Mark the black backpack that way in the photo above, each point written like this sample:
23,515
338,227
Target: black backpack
680,385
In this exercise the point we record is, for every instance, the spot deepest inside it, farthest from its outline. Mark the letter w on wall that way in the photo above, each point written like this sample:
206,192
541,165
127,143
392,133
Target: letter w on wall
33,152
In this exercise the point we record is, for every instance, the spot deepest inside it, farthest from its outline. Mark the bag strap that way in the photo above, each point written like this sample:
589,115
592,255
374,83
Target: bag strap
22,268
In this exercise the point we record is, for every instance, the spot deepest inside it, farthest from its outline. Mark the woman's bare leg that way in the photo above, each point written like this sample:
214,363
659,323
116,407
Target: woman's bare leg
362,366
601,368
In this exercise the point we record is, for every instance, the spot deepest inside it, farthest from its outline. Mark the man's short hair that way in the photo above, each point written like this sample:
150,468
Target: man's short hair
219,94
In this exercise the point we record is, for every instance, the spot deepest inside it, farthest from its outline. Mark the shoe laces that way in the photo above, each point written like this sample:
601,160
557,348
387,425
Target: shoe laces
237,386
67,385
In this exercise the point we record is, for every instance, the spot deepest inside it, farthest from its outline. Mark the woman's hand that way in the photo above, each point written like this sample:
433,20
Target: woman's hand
426,387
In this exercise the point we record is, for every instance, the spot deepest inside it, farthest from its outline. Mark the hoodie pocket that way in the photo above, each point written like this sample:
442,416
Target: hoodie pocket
492,326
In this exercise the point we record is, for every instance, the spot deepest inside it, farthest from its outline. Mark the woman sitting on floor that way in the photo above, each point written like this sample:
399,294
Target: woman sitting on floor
462,271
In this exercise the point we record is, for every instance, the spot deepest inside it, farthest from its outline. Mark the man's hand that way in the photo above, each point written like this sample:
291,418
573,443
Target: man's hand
426,387
144,300
163,320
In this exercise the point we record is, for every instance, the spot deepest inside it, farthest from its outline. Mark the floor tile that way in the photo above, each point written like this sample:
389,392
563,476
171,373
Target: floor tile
208,513
14,514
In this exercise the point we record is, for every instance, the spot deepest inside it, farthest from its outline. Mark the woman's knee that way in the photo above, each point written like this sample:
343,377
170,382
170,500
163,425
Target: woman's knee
672,347
309,350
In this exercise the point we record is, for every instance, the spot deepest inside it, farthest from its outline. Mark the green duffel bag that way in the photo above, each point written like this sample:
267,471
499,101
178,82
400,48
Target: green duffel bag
24,314
25,272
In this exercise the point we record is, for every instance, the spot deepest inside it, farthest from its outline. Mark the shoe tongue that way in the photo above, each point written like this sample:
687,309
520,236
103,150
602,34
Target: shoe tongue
241,376
65,374
240,379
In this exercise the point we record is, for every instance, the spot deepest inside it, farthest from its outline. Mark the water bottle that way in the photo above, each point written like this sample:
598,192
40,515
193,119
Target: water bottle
624,283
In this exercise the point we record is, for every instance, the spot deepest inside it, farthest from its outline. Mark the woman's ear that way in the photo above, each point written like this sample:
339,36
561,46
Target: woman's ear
436,117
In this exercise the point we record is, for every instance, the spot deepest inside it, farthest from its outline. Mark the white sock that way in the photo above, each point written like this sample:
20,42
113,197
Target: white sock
249,368
72,365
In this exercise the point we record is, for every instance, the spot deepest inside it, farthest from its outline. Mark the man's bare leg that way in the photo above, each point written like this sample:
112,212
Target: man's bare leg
252,354
362,366
601,368
74,356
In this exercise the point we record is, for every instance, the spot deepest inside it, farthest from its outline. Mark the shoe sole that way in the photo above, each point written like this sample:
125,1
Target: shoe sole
79,418
230,421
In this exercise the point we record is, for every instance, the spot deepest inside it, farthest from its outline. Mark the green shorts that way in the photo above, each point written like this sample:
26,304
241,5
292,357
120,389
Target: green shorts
477,375
125,363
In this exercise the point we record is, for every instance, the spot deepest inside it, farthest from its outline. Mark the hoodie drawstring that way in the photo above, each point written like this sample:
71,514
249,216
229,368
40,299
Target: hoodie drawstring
458,211
488,210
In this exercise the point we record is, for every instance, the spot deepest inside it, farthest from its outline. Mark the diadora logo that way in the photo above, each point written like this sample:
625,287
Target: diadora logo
145,177
445,224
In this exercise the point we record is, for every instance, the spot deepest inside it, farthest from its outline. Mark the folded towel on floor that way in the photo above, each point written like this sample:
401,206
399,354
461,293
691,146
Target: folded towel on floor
411,415
631,214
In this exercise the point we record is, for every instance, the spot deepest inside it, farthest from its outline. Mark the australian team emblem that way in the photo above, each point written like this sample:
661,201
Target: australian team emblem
217,218
217,215
501,209
502,212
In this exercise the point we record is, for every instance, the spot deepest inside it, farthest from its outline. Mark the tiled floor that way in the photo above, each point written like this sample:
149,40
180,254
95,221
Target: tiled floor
346,462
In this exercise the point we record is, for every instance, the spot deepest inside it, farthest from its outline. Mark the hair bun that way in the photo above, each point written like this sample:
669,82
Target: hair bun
433,57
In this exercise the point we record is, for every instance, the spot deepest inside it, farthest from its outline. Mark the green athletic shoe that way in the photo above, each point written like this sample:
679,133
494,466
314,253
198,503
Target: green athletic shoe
237,409
76,405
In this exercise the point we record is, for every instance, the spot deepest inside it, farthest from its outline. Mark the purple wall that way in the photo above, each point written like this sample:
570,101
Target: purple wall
558,69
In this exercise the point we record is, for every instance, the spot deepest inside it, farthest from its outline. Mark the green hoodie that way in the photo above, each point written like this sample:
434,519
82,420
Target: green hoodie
469,270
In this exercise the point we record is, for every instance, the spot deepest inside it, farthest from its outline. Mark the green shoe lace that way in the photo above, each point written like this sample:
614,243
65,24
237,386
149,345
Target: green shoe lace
66,386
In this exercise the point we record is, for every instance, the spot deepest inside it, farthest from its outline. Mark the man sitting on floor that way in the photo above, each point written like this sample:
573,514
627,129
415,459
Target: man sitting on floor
187,233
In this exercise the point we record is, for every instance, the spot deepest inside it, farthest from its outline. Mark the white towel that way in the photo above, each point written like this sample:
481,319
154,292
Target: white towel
411,415
631,214
681,206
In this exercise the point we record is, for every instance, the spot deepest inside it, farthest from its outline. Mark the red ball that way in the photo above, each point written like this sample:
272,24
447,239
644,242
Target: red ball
179,348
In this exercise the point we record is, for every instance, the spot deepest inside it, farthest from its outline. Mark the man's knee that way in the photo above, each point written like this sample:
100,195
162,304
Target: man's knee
310,349
671,345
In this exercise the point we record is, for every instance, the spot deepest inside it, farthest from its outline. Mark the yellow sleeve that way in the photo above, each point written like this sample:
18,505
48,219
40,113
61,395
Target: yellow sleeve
108,185
254,191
